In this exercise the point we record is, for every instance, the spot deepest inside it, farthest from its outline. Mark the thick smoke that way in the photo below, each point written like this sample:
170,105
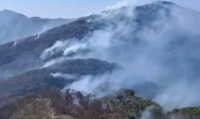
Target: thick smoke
157,43
123,3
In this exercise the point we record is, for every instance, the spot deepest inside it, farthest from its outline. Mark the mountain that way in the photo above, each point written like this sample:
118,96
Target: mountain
14,25
53,44
152,49
57,76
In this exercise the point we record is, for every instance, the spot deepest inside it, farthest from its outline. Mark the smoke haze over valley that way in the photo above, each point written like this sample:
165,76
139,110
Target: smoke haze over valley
14,26
151,47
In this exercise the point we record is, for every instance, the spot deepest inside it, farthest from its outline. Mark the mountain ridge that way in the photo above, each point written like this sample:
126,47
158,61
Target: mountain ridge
18,13
14,25
156,54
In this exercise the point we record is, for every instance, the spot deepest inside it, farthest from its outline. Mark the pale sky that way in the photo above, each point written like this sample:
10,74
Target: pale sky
71,8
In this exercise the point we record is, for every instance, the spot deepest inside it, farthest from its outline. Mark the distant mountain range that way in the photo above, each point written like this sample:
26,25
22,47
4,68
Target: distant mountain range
153,49
15,26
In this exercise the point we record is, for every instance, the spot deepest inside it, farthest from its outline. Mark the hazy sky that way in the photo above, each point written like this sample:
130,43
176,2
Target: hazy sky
71,8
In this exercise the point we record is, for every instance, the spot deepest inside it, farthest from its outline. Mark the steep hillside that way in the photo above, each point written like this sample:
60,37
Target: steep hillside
57,76
152,49
54,43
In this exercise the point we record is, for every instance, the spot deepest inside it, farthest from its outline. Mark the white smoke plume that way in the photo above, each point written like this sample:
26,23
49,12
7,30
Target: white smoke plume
166,52
44,28
123,3
65,76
